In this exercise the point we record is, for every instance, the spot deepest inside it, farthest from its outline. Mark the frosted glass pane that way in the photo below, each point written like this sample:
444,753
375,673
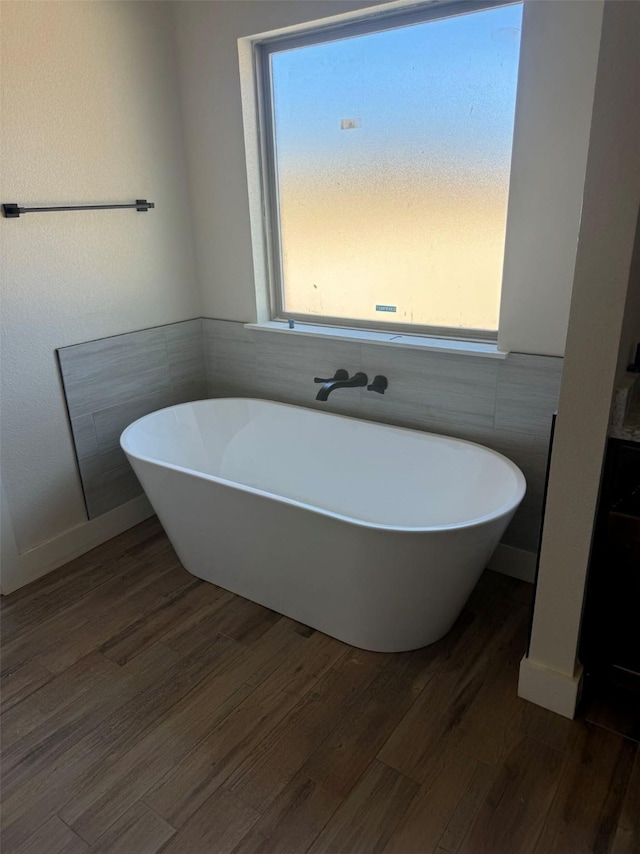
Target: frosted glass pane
393,152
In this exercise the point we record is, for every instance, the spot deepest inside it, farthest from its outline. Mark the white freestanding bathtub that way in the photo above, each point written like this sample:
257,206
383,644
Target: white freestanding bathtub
375,535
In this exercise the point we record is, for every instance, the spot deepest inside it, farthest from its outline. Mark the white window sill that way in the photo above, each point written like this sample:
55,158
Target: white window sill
389,339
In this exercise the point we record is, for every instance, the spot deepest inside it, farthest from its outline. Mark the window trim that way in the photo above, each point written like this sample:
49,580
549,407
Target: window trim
385,337
315,33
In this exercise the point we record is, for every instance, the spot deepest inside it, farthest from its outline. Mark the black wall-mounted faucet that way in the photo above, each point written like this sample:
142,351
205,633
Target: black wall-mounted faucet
379,384
341,379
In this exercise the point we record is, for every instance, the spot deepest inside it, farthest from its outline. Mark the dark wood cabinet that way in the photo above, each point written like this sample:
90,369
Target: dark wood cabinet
610,638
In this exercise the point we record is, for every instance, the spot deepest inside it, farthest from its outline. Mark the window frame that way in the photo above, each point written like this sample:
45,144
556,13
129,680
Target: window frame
316,33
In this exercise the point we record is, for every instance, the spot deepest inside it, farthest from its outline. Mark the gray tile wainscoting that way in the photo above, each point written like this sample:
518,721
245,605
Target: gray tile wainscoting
109,383
505,404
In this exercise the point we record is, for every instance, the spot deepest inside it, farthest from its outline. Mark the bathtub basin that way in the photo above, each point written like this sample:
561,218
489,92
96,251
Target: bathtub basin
373,534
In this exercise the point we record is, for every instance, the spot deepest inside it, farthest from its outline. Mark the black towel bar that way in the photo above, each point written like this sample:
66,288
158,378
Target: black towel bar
11,210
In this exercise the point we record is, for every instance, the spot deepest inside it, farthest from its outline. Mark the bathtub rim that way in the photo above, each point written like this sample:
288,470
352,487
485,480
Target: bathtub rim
351,520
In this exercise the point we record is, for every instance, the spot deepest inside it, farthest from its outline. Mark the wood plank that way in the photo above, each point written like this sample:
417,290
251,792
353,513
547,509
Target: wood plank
627,837
53,837
513,814
548,728
423,825
57,596
279,756
368,817
132,575
139,831
19,682
114,785
239,619
443,706
495,719
247,621
71,576
590,797
207,767
468,807
167,585
76,587
217,826
66,727
172,611
293,821
343,756
57,694
154,549
47,785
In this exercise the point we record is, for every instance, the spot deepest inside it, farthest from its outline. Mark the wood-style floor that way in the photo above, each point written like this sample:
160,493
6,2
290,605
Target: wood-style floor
145,710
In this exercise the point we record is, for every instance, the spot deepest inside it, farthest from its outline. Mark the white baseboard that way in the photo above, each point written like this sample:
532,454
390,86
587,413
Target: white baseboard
38,561
517,563
549,688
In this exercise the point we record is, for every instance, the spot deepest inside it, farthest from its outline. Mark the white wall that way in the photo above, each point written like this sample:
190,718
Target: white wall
558,64
10,577
90,113
597,319
207,35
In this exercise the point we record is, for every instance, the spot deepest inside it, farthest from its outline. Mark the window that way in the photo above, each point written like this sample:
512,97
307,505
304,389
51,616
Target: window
386,161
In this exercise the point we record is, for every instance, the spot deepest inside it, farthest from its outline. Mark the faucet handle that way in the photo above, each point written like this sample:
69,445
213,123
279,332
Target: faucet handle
340,374
379,384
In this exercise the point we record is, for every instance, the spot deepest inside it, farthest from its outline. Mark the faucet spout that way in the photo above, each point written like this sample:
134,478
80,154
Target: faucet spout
355,381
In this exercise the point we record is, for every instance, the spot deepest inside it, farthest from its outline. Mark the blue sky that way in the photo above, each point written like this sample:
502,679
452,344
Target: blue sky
441,92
